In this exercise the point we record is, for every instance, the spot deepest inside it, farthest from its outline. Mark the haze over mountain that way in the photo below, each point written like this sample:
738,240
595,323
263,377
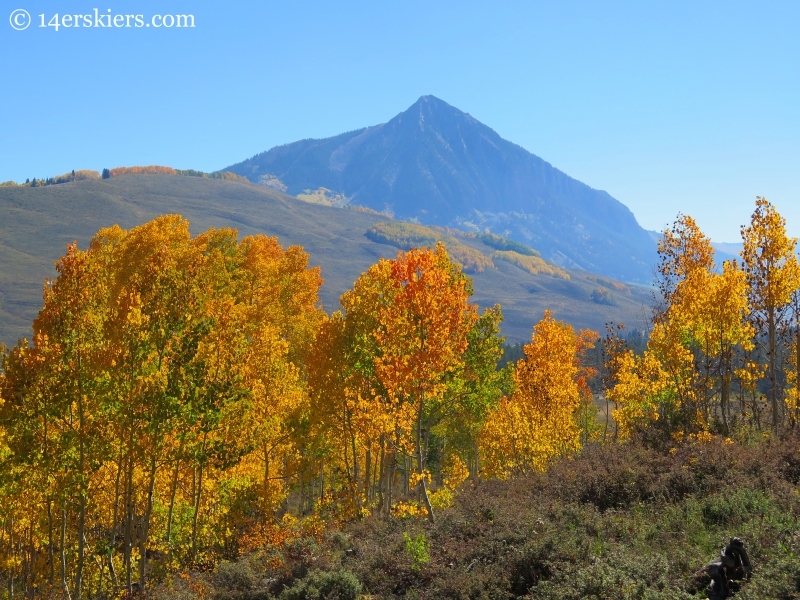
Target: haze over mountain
438,165
723,251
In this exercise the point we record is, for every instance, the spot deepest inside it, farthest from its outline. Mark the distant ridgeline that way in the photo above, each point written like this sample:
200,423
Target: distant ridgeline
408,235
108,173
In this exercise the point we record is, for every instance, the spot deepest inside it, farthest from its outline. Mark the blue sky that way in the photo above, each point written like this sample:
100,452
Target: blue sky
669,106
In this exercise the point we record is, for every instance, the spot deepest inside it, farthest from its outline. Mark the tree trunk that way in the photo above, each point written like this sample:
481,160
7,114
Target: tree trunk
82,492
62,549
51,556
13,562
773,375
146,526
421,468
382,473
198,498
368,474
112,542
172,493
129,521
725,400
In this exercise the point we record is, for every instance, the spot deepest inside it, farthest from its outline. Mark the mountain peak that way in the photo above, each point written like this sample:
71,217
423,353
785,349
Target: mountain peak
432,105
437,165
433,101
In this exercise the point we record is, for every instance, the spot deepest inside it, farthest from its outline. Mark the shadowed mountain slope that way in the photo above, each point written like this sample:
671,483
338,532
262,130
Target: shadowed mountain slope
438,165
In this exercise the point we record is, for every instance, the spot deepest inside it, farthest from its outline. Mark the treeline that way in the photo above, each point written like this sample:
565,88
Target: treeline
65,178
108,173
186,399
157,170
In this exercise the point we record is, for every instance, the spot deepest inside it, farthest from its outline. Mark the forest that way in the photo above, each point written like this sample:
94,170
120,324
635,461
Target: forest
187,418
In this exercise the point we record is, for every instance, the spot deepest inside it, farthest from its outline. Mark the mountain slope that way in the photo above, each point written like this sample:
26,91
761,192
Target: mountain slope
438,165
36,224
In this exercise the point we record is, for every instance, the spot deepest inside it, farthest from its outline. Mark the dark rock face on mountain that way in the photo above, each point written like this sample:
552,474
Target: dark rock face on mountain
438,165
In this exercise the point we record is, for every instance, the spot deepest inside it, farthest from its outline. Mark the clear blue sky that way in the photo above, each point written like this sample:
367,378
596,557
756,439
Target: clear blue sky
669,106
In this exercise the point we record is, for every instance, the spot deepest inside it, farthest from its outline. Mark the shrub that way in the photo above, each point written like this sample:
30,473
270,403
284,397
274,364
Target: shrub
732,507
417,549
320,585
234,576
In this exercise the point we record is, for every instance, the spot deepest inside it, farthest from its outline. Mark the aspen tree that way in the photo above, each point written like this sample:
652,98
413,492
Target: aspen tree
773,276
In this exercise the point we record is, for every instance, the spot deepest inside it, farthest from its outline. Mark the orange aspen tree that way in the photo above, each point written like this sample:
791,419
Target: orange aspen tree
402,340
537,423
423,336
773,276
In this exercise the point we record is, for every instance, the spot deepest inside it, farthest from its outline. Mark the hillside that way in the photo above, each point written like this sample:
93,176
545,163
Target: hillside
38,223
438,165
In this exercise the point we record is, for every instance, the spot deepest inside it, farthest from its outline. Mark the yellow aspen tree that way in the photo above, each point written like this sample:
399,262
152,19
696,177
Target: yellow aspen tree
719,325
537,423
792,365
689,360
773,276
162,366
349,413
68,335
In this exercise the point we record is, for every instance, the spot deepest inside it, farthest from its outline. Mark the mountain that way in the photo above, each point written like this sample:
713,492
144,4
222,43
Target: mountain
435,164
723,251
36,224
728,250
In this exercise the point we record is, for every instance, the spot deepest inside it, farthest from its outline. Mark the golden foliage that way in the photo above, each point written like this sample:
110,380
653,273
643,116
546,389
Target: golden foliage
532,264
773,280
470,259
325,197
698,338
150,170
537,423
405,235
163,389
